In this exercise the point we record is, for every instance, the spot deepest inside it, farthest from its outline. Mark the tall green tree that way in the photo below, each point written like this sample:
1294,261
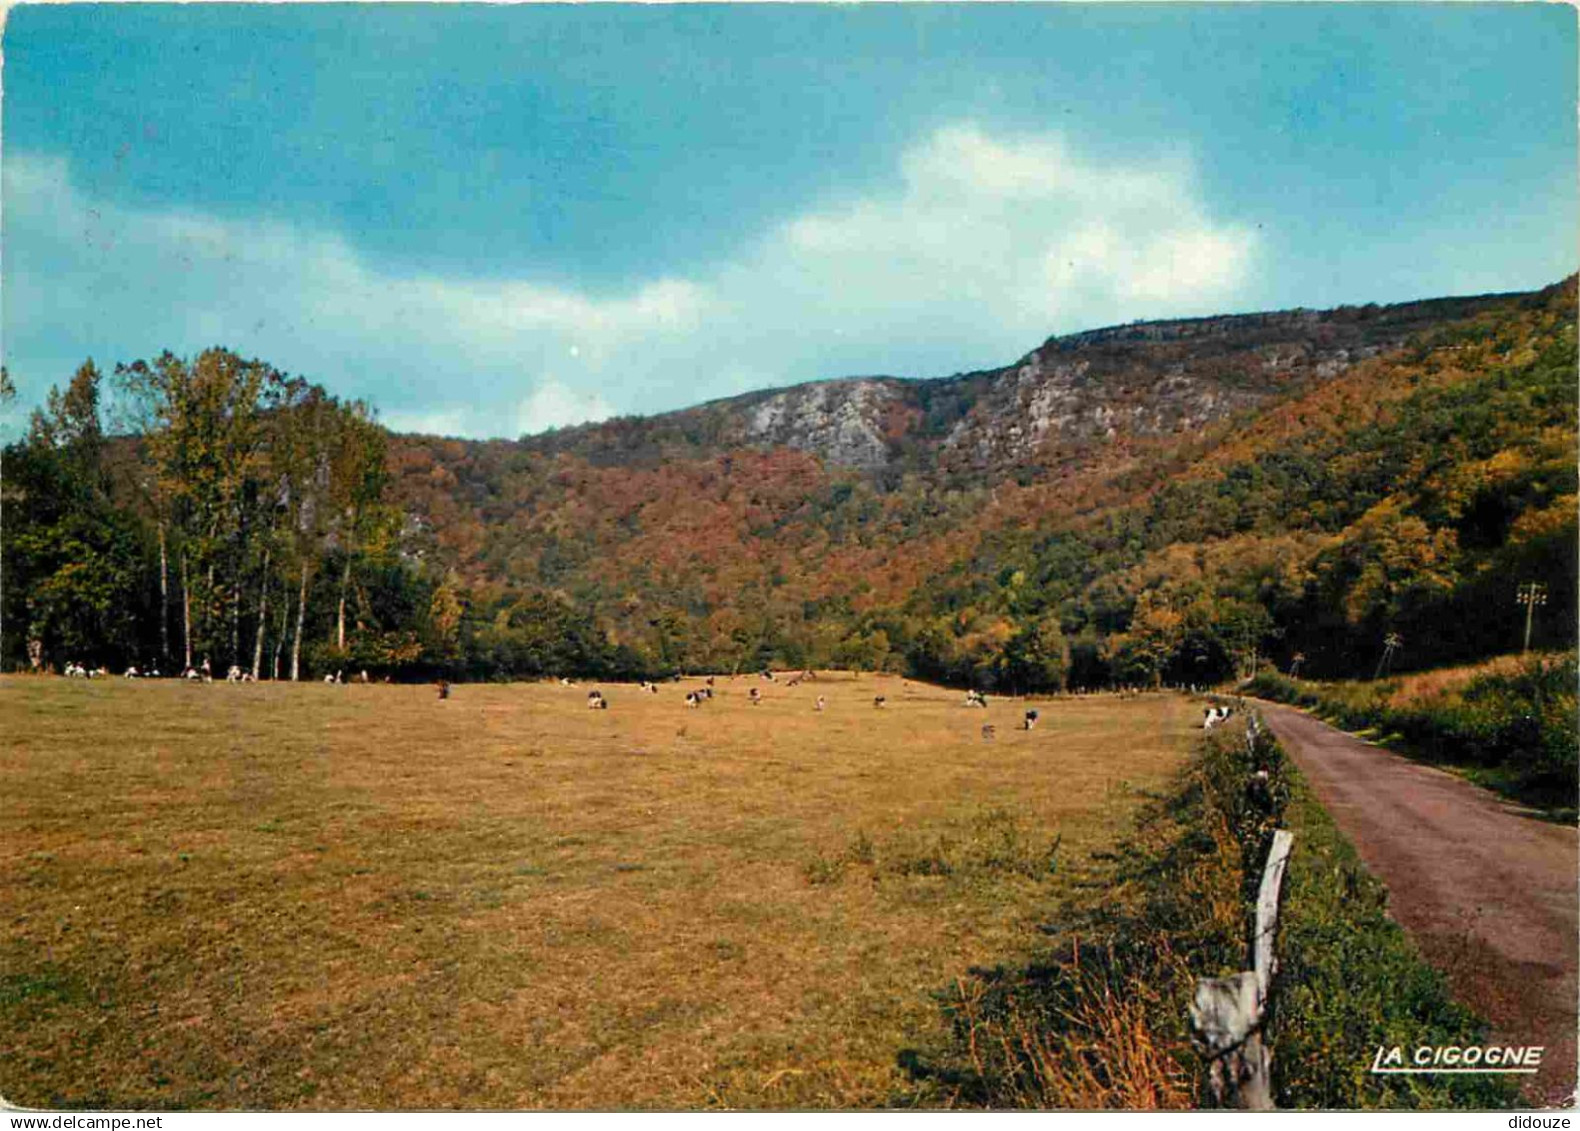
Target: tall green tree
205,423
72,561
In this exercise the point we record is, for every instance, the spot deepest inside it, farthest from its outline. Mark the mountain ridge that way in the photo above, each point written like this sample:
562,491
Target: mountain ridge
1144,378
1154,498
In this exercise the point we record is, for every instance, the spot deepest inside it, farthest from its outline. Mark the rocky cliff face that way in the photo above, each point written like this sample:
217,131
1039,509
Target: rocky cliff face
843,422
1139,380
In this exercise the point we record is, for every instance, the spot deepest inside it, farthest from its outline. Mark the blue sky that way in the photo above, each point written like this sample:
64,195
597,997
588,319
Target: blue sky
491,220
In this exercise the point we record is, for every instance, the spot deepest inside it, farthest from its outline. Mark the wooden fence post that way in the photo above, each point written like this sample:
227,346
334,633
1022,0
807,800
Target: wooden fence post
1227,1013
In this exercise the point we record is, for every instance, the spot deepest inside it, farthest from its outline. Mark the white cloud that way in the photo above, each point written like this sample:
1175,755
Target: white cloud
1018,234
553,404
441,422
980,246
124,283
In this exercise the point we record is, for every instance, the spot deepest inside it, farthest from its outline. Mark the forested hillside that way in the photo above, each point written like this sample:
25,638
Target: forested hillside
1170,501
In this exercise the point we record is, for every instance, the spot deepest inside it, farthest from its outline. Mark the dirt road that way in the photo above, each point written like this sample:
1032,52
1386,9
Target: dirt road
1489,894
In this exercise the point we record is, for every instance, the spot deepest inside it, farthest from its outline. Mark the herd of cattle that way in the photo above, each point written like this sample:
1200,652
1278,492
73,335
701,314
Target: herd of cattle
596,701
201,673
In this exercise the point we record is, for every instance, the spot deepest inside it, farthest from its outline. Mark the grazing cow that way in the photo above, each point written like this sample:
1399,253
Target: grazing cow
692,699
988,732
130,673
1212,716
233,675
878,700
565,681
755,696
1031,720
975,699
710,681
329,679
192,674
596,701
444,689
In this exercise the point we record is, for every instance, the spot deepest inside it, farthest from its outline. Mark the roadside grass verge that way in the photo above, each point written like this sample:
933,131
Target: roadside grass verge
1099,1019
1511,727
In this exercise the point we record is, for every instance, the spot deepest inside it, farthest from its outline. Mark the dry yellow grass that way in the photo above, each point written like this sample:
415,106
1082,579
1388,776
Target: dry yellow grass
1415,686
267,896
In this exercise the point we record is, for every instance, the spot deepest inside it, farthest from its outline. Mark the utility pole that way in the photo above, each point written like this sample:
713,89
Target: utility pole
1531,594
1391,644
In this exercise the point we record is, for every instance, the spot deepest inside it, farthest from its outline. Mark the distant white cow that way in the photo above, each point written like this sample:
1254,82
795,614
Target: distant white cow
1212,716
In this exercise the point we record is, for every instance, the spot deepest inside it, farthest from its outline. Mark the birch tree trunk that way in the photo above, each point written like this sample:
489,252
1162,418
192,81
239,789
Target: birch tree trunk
235,621
206,606
186,614
164,601
263,618
301,618
280,635
340,622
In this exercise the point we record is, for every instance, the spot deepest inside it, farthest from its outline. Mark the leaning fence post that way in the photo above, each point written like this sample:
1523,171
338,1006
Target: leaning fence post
1263,961
1227,1013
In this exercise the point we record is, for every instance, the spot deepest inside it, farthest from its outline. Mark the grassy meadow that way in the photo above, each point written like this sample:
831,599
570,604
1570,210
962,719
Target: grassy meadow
274,896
